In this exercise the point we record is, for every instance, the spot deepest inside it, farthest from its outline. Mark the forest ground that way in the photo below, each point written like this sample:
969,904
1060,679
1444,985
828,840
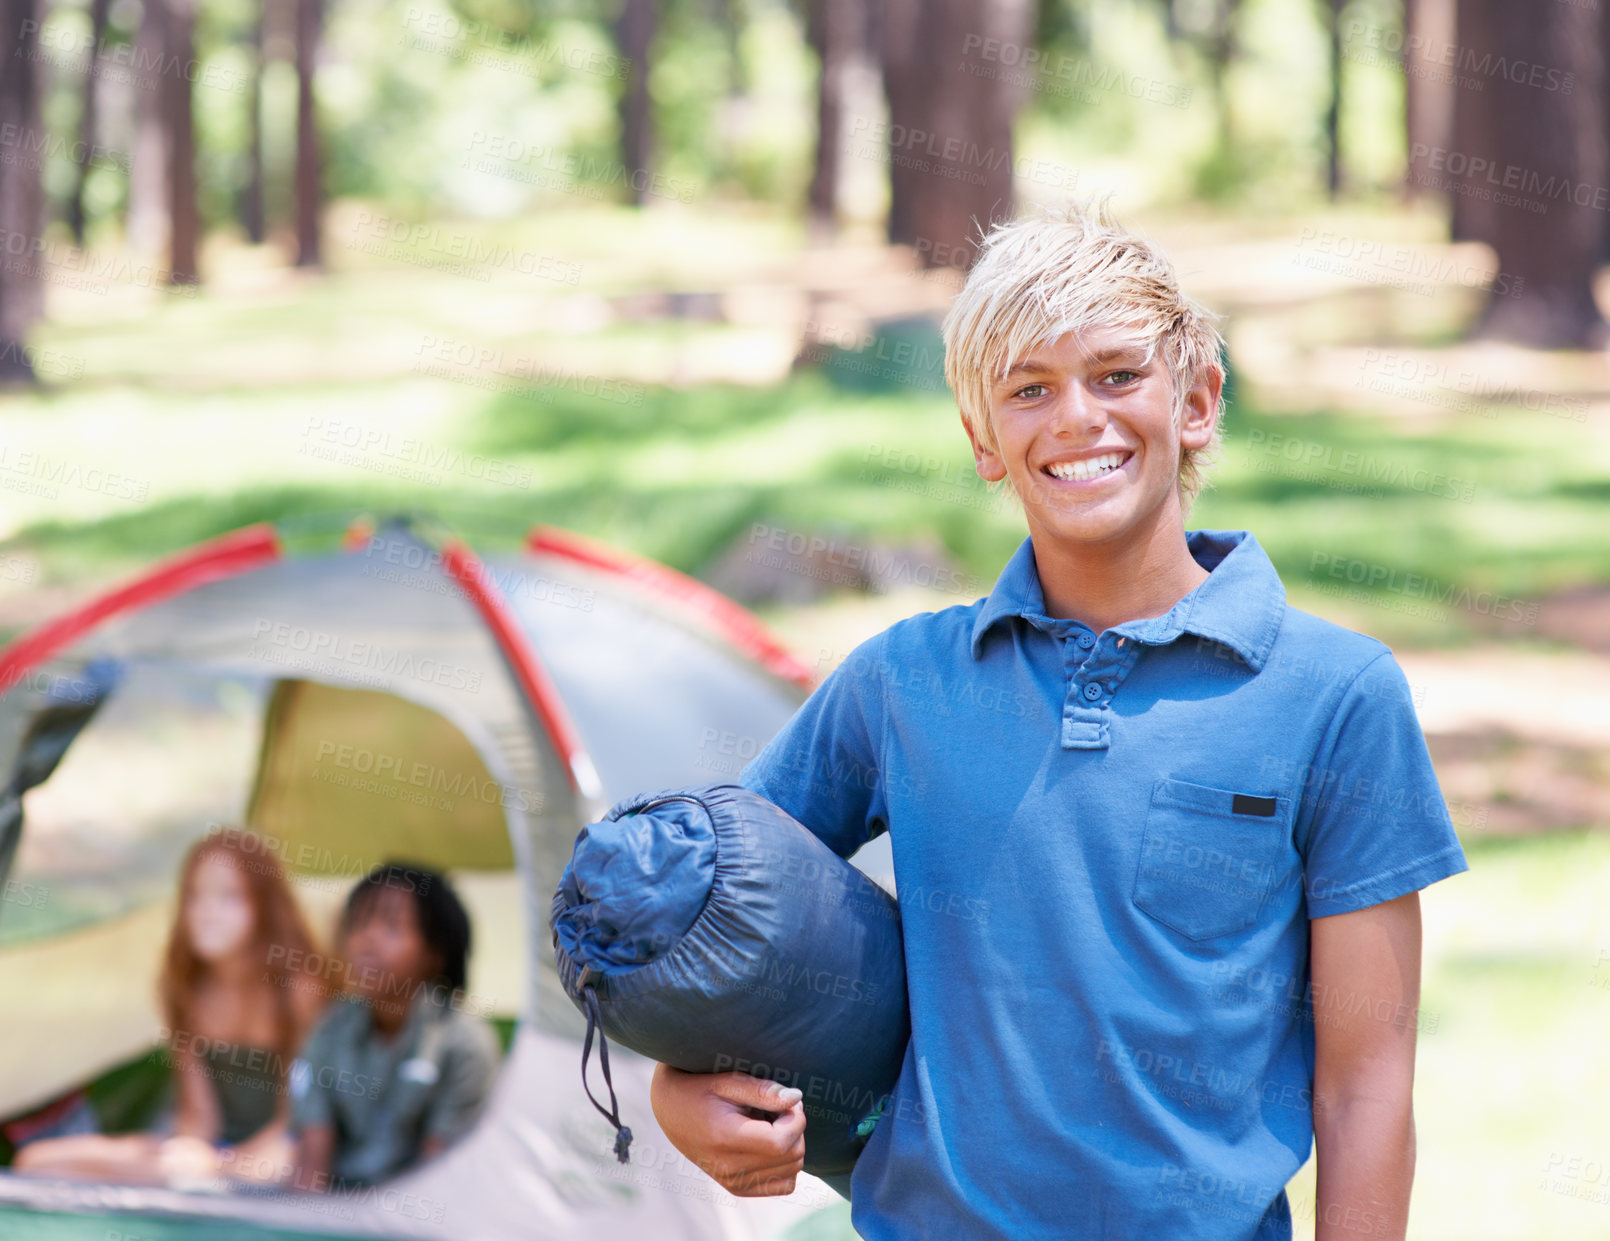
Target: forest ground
1459,488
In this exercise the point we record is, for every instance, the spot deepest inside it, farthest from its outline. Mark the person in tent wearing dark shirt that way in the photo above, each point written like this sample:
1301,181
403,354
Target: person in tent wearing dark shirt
396,1071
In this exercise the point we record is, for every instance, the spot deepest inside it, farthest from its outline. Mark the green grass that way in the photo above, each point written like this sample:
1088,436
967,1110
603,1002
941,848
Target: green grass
678,473
239,404
1503,506
1513,972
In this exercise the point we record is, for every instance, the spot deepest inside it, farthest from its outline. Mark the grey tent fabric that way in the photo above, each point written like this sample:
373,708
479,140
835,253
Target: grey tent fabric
534,1169
63,707
708,712
656,697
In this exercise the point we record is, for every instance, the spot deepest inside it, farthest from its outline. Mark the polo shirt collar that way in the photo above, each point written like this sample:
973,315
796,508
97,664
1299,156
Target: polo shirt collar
1016,593
1240,605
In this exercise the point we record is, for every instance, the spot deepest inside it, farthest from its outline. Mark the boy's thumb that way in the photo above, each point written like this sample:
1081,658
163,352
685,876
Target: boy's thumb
758,1092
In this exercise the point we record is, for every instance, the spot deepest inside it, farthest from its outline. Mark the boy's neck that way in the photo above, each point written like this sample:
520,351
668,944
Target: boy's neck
1106,584
390,1015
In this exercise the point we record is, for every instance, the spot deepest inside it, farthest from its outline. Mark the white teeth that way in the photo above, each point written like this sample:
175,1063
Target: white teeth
1078,471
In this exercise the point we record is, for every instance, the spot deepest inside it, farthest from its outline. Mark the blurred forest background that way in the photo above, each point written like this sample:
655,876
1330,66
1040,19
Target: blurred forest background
668,272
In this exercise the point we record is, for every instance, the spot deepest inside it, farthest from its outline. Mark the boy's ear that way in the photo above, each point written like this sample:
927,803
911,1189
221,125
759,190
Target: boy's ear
988,463
1201,412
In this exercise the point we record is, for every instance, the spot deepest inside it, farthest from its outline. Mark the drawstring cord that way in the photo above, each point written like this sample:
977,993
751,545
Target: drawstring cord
623,1135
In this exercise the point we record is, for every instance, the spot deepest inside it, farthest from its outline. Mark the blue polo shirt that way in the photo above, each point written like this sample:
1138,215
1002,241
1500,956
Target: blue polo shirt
1107,848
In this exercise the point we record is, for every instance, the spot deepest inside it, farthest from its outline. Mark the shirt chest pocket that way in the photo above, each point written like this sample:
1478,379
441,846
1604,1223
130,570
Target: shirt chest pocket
373,1094
1208,856
408,1094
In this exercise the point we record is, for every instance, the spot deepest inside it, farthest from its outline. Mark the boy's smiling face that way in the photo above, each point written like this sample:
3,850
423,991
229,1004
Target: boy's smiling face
386,951
1084,428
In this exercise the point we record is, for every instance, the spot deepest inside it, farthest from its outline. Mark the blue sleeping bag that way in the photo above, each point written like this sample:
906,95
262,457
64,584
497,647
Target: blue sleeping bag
707,929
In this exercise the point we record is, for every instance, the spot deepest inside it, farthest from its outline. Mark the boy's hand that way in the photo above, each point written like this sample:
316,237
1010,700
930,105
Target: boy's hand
188,1161
747,1133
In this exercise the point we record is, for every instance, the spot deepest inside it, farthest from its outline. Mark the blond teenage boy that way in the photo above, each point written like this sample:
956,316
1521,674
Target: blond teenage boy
1158,836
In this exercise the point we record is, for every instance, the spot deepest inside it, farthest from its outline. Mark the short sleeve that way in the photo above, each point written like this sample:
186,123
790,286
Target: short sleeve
1372,824
468,1070
824,767
311,1103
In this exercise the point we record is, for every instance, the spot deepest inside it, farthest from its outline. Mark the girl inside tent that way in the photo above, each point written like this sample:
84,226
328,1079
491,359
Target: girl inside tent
237,1000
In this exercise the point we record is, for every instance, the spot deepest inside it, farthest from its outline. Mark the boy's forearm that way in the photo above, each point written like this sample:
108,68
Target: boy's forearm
315,1152
1366,1150
1366,973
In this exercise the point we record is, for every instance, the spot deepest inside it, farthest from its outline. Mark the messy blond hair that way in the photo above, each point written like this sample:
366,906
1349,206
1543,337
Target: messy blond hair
1072,269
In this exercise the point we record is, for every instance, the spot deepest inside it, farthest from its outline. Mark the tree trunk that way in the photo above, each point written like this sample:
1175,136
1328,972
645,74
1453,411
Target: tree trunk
1536,164
836,30
1222,44
147,222
1428,91
22,199
87,127
251,193
634,36
904,89
309,190
184,216
951,106
1332,15
1472,214
1604,102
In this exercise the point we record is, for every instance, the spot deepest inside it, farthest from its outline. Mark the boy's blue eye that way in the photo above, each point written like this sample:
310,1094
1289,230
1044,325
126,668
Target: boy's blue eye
1123,377
1030,392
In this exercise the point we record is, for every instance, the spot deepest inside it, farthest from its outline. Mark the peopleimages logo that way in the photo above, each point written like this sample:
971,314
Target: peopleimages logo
815,555
1463,66
395,769
1510,177
303,646
1068,77
72,46
1368,576
1418,269
1322,459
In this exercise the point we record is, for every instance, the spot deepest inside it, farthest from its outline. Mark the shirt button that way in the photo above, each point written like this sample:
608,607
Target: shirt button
1092,691
1087,640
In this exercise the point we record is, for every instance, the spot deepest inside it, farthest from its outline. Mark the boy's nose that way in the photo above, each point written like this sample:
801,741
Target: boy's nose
1077,410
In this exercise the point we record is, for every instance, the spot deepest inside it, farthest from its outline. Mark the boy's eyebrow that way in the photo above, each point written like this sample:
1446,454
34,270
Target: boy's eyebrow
1120,353
1101,357
1023,367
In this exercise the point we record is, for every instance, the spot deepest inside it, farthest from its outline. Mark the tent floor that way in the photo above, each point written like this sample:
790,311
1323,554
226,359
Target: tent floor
21,1224
127,1098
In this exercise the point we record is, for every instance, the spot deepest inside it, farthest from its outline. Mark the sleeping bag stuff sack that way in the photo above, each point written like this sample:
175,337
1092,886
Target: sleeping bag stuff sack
706,928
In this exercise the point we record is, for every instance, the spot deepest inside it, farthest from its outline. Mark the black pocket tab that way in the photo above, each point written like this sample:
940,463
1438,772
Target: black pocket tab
1262,807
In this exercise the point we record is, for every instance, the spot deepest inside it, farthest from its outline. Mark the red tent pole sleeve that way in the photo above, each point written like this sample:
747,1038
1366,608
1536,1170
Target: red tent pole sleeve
222,557
465,567
732,620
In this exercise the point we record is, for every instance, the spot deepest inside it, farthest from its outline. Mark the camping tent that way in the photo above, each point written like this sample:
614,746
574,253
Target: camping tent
397,696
